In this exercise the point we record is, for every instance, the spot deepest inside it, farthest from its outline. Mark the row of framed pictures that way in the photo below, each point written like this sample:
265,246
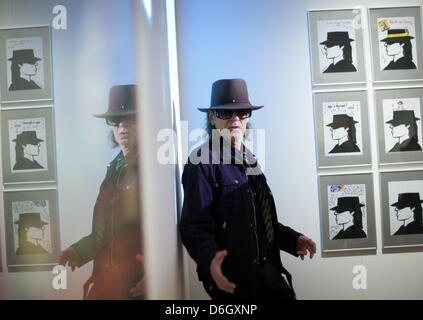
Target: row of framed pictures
342,126
337,45
347,211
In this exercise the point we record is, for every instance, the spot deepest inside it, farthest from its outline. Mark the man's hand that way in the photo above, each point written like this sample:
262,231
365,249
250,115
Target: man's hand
69,256
141,287
216,272
304,244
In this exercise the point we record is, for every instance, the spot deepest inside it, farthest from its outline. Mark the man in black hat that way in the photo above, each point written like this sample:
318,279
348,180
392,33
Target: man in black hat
343,130
26,148
229,222
408,210
338,49
403,127
24,67
398,46
348,214
30,234
115,241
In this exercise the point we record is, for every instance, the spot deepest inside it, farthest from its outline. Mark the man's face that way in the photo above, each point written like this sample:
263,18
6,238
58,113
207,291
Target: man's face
338,133
399,130
404,214
29,69
231,129
31,149
343,217
393,49
334,51
35,233
124,131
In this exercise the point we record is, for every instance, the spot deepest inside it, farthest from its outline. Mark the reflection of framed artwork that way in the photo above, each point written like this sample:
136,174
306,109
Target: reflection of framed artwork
402,199
336,46
31,225
396,36
399,117
347,212
342,128
28,146
25,61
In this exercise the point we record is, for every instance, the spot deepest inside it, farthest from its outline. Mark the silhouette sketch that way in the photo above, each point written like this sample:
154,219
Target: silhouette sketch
343,130
403,127
409,211
398,46
30,233
24,67
348,214
27,147
338,49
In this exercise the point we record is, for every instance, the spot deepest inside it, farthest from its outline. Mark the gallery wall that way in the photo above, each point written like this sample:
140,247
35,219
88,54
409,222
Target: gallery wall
267,44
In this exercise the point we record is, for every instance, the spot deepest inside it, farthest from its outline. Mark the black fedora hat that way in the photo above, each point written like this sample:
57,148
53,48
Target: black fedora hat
341,120
32,219
336,37
409,199
122,101
397,35
24,56
27,137
347,204
230,94
402,117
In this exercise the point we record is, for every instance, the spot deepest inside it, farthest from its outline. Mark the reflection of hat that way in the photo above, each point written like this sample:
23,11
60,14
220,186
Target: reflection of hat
347,204
337,37
27,137
397,35
402,116
31,219
410,199
24,56
230,94
341,120
122,100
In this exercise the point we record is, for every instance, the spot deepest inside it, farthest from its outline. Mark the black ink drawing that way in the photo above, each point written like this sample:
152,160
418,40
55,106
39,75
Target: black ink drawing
337,49
349,216
408,210
399,49
403,128
30,234
24,68
343,130
27,147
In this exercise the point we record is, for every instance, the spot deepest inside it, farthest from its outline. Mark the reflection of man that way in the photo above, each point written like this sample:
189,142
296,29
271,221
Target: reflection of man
27,147
338,49
409,211
403,127
31,233
24,66
348,214
343,131
398,47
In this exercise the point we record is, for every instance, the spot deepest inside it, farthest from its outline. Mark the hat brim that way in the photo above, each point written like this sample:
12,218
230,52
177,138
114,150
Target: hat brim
396,122
232,106
404,204
334,43
115,114
344,208
30,61
397,39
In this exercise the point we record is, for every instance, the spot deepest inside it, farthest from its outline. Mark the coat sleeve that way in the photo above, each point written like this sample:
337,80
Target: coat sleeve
287,239
197,225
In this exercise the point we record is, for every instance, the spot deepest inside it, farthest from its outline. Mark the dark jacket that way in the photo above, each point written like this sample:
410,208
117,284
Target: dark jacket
352,232
407,145
411,228
26,164
341,66
347,146
401,63
115,237
30,248
22,84
219,213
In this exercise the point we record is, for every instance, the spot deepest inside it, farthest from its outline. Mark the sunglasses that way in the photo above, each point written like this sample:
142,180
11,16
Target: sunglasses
228,113
114,121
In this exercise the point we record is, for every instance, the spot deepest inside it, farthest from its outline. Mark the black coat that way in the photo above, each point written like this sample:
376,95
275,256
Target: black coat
341,66
218,213
115,237
412,228
347,146
401,63
407,145
351,233
26,164
30,248
22,84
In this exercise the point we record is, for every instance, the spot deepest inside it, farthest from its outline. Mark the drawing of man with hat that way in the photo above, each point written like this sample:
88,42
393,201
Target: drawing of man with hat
27,147
24,67
337,48
343,130
408,210
398,46
348,214
30,233
404,128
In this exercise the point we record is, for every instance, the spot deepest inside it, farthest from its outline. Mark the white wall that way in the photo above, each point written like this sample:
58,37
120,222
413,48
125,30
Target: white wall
266,43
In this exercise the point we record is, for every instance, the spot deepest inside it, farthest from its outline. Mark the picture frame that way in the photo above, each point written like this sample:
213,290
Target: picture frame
28,145
31,228
396,36
401,203
336,47
25,65
399,115
347,214
342,128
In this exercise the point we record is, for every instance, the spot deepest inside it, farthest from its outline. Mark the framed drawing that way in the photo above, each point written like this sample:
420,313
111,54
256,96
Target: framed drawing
396,36
399,116
25,64
342,131
336,46
31,224
347,218
28,145
402,199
